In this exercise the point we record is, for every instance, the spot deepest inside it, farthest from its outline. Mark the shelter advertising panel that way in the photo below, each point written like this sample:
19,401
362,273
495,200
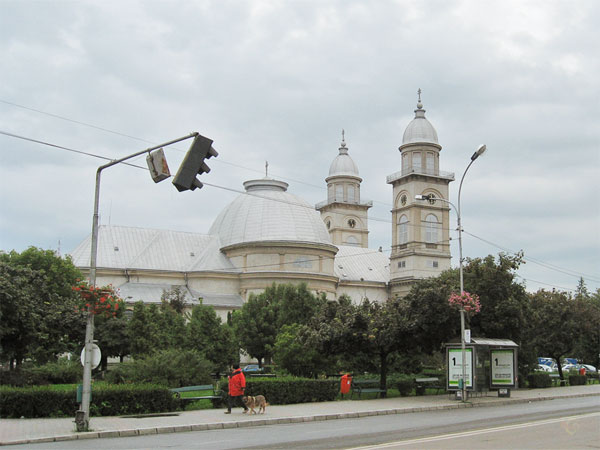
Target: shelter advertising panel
502,364
454,362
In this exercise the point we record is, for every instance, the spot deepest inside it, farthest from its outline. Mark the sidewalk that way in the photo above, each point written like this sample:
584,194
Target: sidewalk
22,431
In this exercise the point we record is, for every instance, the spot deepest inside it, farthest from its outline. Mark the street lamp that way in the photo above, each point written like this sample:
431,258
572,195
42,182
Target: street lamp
480,150
82,418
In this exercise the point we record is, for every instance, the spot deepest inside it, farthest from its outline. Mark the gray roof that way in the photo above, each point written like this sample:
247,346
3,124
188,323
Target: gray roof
152,293
343,164
420,130
361,264
266,212
142,248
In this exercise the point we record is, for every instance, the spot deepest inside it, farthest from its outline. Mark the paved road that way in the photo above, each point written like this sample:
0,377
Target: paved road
514,425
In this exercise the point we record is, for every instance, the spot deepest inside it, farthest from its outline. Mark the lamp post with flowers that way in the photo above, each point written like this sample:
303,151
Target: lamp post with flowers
464,300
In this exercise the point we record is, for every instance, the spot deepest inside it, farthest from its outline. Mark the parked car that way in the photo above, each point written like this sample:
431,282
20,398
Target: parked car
589,368
252,368
544,368
569,367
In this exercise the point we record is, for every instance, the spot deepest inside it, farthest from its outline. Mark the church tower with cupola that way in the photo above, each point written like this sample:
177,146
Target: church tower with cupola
345,216
420,229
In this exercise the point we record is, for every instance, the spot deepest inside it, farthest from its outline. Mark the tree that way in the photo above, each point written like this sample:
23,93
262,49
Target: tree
143,329
255,327
19,313
292,354
58,326
587,347
175,298
205,333
555,324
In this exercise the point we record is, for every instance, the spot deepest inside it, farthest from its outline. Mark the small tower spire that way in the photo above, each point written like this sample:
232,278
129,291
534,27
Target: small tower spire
419,104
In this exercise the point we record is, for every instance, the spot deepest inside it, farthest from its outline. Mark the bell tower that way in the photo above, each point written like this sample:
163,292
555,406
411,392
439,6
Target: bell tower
420,229
345,216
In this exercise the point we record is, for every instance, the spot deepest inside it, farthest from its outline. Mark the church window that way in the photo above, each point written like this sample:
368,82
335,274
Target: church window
351,223
402,230
330,193
416,162
431,229
351,194
339,193
303,263
352,241
432,264
401,264
405,161
430,163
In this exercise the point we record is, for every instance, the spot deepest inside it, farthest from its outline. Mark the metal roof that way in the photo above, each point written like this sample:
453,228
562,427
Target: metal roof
420,130
361,264
141,248
152,293
266,212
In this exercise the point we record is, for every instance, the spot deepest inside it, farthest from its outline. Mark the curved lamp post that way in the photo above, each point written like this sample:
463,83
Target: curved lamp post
82,417
480,150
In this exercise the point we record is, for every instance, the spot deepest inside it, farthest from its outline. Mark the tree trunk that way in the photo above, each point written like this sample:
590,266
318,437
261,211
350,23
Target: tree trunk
383,372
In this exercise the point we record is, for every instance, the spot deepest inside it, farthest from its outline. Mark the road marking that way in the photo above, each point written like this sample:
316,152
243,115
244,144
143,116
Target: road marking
475,432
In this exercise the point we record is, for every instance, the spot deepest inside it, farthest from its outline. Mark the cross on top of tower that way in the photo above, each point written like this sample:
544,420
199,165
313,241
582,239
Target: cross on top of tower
419,104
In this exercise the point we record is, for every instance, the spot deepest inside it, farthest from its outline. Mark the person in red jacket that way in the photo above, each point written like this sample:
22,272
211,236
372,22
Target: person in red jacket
237,385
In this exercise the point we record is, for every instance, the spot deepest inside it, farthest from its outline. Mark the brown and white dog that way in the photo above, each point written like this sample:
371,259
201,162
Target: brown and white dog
255,402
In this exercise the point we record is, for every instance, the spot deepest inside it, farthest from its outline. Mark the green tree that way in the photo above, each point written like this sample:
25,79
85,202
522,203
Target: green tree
175,298
20,315
255,327
113,338
213,339
294,355
59,324
587,347
555,324
143,330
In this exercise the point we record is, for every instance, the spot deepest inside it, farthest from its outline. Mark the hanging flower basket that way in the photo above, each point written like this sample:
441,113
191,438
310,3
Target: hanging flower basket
101,301
465,301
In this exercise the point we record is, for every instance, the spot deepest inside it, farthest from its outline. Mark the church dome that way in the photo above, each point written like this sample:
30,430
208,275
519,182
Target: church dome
420,130
343,164
267,212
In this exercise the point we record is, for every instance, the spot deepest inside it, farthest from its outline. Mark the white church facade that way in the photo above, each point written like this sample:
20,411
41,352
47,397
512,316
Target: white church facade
268,235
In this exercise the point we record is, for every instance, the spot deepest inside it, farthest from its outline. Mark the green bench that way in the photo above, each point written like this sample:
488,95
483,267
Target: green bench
213,395
427,382
366,386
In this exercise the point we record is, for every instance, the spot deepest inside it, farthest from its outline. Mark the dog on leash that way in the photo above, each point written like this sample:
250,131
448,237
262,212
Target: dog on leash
255,402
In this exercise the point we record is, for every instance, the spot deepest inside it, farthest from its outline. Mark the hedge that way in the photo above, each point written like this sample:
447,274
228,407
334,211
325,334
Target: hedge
288,390
539,380
108,400
577,380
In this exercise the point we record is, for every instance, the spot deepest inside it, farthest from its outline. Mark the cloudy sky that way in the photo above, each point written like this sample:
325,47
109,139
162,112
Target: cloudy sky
277,81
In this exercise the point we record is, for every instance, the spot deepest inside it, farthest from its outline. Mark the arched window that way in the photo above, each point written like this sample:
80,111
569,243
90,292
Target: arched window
350,194
403,230
432,228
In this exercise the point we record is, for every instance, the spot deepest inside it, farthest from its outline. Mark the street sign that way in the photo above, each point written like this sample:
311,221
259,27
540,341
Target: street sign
96,356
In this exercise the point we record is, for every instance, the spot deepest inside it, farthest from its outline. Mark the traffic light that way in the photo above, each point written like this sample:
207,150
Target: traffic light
157,163
193,164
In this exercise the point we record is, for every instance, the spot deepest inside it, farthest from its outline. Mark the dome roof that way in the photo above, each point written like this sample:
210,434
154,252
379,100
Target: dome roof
420,130
343,164
266,212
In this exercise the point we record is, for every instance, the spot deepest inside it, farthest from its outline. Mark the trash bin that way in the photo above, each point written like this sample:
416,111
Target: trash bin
346,383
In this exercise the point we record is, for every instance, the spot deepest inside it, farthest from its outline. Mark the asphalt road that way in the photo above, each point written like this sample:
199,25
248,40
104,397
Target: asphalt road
566,423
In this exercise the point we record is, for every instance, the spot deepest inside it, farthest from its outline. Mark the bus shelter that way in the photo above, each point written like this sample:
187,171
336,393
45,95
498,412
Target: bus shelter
490,364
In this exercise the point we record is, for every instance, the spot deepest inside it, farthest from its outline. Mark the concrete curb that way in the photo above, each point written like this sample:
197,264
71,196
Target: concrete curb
280,420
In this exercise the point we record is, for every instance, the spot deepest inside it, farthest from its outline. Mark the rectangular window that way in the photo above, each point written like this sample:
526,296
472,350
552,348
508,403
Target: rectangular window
339,193
416,162
401,264
351,194
432,264
430,164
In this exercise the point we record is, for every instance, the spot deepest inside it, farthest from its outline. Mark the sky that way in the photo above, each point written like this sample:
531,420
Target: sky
277,81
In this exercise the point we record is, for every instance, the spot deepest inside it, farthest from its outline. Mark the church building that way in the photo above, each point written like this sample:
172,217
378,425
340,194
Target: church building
268,235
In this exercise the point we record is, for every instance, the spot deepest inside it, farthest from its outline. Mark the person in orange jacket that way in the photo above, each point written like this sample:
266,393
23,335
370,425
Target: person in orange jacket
237,385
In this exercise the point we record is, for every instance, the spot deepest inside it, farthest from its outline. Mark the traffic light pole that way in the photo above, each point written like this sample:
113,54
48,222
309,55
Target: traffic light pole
82,418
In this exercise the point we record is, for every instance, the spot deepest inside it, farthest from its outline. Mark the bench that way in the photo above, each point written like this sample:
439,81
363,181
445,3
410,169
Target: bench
427,382
203,387
365,386
556,380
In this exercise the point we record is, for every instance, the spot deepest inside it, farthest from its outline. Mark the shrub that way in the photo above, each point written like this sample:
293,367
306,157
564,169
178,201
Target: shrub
44,401
577,380
171,368
61,372
404,384
539,380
